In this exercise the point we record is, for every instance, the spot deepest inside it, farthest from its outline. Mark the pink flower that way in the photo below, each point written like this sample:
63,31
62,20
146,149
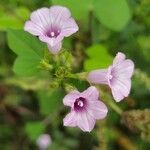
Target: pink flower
117,76
85,109
51,25
44,141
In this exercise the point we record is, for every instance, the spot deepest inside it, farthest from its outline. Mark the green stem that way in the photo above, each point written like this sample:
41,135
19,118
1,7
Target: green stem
81,76
115,107
107,98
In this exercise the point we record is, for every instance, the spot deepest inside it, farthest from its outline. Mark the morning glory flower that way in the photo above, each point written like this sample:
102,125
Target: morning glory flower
117,76
44,141
85,109
51,25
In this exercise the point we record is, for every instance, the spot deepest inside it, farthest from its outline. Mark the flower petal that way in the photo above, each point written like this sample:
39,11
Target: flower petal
33,28
51,41
55,49
58,14
70,119
69,27
70,98
45,39
98,76
85,122
120,88
97,109
124,69
91,93
41,17
119,58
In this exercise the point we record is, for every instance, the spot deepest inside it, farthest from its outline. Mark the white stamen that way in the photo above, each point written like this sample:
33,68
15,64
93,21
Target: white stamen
110,76
80,103
52,34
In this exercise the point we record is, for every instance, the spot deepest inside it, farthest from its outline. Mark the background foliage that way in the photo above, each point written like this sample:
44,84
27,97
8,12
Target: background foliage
31,103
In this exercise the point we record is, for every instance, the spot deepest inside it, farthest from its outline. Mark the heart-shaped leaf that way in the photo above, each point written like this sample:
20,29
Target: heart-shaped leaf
113,14
29,49
98,58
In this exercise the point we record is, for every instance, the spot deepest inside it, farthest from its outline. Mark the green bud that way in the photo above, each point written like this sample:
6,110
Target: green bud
62,72
54,84
44,64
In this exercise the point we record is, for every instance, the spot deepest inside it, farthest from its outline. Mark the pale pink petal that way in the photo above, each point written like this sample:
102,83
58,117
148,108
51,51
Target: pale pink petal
58,14
117,95
124,69
69,27
51,41
97,109
44,38
91,93
117,76
119,58
48,40
55,49
85,109
41,17
57,40
120,88
98,76
70,119
85,122
33,28
51,25
70,98
121,73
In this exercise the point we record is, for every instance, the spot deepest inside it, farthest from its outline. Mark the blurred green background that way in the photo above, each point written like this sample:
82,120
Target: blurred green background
29,109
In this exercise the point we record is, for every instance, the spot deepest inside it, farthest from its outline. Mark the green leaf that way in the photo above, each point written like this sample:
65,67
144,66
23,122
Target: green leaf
98,58
22,12
26,65
14,19
113,14
50,100
21,42
78,9
34,130
29,49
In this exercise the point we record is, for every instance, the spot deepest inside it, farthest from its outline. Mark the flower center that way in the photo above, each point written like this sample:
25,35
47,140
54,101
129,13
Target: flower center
79,104
110,76
52,33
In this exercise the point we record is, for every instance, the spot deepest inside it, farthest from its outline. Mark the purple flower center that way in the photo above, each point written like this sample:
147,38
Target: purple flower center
53,32
79,104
